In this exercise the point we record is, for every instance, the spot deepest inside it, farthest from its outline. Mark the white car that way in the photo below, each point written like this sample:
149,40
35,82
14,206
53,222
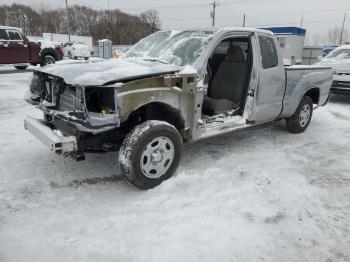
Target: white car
339,60
75,50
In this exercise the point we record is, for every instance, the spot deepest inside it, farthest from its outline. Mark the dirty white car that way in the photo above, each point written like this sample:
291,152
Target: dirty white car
339,60
75,50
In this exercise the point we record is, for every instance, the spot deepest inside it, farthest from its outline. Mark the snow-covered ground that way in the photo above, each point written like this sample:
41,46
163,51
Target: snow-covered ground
258,195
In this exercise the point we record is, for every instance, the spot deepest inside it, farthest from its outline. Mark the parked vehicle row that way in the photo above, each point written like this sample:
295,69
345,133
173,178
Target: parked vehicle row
172,88
18,50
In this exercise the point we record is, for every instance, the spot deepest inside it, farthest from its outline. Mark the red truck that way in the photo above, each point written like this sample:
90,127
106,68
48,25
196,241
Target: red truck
18,50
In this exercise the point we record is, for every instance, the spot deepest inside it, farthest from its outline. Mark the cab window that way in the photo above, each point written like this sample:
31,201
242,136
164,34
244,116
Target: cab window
14,35
3,35
268,52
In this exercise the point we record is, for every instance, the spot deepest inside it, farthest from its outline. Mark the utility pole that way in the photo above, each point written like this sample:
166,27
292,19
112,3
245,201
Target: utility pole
107,19
301,21
342,30
244,20
212,14
68,21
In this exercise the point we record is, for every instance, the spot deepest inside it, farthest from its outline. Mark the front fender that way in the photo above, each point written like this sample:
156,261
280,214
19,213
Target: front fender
130,101
175,91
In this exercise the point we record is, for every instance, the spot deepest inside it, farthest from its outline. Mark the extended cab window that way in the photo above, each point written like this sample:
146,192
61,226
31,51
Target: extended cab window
3,35
268,52
14,35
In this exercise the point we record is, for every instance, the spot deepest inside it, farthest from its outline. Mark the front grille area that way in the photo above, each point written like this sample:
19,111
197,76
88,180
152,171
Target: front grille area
341,84
67,99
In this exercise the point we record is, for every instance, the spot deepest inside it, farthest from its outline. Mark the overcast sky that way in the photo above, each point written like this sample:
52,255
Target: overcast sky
319,15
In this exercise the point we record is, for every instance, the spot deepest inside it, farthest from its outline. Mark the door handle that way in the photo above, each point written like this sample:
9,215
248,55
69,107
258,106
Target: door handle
251,92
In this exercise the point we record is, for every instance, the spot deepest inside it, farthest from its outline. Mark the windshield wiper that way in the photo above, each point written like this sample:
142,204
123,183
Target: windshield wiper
155,60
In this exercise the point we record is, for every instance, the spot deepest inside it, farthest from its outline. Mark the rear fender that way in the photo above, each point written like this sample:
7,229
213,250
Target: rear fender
303,83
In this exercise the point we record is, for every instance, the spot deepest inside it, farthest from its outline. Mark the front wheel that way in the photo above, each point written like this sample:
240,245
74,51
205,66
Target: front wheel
150,153
48,60
21,67
302,117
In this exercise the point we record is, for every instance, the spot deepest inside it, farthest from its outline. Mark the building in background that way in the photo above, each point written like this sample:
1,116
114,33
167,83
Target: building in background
291,41
312,54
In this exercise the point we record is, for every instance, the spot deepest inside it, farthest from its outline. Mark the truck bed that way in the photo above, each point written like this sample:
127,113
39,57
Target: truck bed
300,78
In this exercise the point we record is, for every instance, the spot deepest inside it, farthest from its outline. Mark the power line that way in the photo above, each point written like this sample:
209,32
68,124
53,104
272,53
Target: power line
256,16
175,6
295,22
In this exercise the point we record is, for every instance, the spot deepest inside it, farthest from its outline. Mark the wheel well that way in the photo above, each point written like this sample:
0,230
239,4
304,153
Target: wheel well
314,94
156,111
49,51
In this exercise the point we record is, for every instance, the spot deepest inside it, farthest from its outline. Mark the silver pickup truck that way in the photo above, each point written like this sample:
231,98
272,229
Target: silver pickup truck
172,87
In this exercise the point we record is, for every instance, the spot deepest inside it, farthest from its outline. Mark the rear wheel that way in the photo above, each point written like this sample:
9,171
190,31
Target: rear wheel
21,67
150,153
299,122
48,60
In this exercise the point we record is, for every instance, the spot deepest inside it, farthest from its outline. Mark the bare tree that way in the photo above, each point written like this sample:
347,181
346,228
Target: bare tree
124,28
151,18
331,37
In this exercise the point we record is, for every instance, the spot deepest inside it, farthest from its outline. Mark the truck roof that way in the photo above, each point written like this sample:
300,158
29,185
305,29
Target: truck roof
228,29
11,27
245,29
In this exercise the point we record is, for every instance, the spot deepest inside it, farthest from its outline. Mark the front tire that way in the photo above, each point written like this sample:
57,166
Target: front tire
48,60
150,153
299,122
21,67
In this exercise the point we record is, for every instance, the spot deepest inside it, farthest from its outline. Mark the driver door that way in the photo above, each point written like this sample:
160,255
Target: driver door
18,47
4,48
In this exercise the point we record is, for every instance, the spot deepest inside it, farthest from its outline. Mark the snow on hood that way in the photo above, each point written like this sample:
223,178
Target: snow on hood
340,62
99,72
187,69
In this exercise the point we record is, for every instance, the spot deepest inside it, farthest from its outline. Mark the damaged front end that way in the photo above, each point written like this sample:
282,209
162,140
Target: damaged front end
76,118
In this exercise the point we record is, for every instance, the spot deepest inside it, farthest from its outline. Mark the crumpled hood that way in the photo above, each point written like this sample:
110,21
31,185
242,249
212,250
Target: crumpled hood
99,72
339,65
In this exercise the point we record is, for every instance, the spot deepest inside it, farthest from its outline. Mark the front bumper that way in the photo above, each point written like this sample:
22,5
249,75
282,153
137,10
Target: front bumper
78,53
65,145
341,87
